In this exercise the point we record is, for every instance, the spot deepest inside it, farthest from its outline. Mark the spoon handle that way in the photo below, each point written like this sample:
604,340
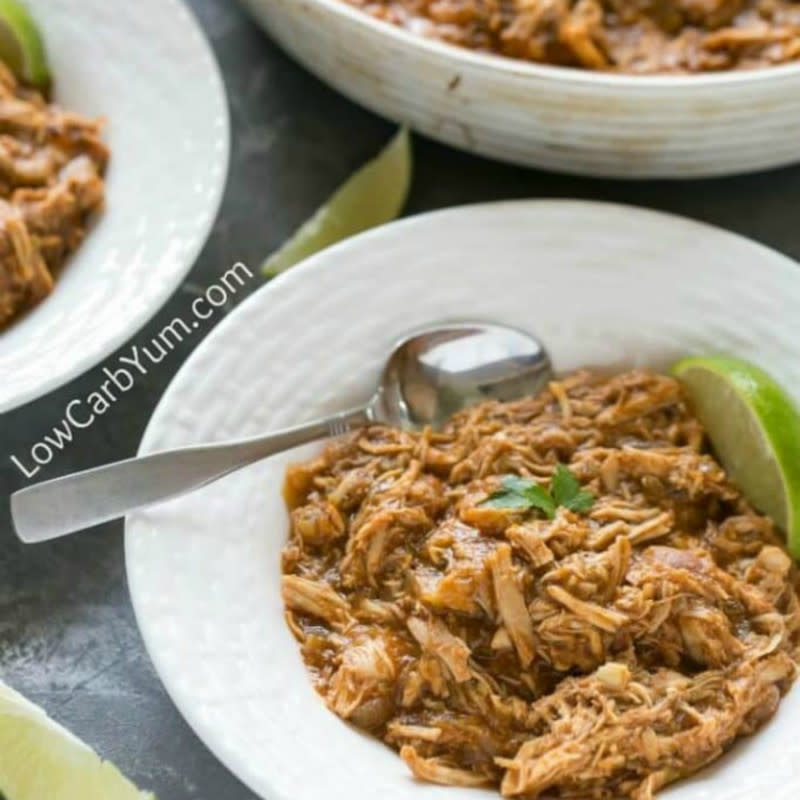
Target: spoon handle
64,505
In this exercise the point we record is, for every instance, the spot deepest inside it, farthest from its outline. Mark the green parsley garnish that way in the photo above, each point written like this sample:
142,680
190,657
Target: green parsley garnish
525,494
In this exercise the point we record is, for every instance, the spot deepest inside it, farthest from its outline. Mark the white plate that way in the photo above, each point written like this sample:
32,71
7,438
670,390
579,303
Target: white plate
600,284
569,120
148,69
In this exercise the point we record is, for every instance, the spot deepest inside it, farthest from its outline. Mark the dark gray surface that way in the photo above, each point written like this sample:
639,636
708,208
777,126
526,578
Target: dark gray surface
67,634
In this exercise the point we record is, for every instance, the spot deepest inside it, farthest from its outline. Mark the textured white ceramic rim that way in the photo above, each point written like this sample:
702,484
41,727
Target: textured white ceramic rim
518,67
201,691
205,220
92,350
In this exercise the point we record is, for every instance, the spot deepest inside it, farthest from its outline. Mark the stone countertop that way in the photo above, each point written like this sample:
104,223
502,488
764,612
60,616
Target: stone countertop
68,639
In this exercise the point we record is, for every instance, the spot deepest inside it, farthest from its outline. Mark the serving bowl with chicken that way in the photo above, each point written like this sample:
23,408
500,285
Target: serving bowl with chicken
439,607
596,87
91,246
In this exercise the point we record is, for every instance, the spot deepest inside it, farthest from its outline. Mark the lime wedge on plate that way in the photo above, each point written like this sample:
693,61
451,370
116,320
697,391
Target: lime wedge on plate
754,427
372,196
40,760
21,45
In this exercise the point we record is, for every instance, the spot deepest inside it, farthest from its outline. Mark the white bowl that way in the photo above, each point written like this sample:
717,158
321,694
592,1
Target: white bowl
148,69
561,119
600,284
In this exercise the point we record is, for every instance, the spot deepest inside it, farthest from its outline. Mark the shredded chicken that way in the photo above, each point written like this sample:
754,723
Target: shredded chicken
51,167
597,654
511,605
633,36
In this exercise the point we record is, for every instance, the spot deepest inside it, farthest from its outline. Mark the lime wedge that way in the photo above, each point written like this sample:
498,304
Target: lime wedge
40,760
21,46
374,194
754,427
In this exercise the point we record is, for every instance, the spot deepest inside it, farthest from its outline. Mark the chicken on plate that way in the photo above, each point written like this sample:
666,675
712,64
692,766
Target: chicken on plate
653,36
561,596
51,167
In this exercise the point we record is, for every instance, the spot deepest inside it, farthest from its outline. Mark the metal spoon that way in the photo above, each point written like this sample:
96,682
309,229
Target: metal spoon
428,377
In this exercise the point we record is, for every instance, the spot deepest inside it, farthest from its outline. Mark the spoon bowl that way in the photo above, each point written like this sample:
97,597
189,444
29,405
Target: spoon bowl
436,372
